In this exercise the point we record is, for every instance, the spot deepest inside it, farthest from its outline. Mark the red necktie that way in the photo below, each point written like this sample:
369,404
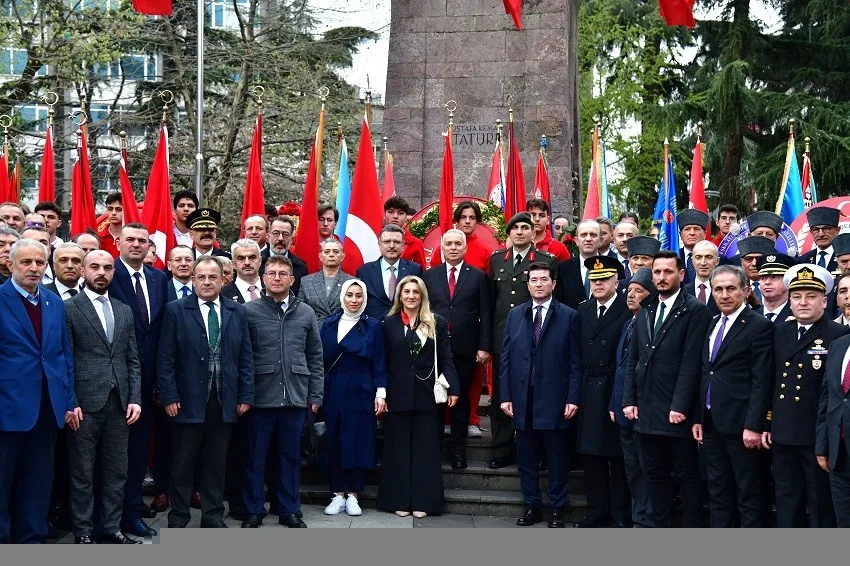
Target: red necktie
452,282
845,383
703,299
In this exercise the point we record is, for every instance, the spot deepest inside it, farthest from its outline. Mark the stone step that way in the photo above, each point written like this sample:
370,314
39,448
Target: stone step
486,502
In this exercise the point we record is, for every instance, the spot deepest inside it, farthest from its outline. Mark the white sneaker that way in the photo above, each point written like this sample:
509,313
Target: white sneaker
336,505
447,430
473,431
352,507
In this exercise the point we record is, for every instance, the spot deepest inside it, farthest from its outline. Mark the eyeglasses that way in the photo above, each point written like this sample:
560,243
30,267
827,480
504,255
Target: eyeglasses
277,275
31,224
278,234
326,220
823,229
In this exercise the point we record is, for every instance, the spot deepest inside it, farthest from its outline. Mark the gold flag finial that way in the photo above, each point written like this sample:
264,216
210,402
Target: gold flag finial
808,141
791,123
167,98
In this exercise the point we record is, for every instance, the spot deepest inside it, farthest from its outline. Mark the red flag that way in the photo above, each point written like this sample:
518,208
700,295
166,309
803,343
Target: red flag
128,197
389,180
541,181
696,197
5,182
15,181
514,10
515,183
156,211
677,12
82,199
254,201
365,213
593,201
153,8
307,243
47,179
447,186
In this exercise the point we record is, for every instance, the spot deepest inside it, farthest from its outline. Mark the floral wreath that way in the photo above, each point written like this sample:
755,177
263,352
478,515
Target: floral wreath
491,215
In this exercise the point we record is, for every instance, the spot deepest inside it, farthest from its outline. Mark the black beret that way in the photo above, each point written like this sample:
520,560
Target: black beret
764,219
823,216
756,245
518,217
692,216
643,245
643,277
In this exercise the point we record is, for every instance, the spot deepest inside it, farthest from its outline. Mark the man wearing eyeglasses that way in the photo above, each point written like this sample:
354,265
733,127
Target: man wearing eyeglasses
328,217
282,229
382,275
823,225
750,249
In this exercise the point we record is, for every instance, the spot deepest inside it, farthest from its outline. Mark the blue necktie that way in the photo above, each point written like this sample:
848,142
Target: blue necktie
822,260
690,270
536,333
757,291
185,290
718,340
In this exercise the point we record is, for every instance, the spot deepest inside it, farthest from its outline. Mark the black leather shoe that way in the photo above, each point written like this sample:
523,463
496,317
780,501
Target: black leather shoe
530,517
85,539
147,513
620,525
252,522
139,528
239,513
116,538
556,519
459,463
542,466
590,522
497,463
292,521
218,525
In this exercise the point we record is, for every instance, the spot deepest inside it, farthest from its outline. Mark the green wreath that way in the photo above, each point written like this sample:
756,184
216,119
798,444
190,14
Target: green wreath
491,215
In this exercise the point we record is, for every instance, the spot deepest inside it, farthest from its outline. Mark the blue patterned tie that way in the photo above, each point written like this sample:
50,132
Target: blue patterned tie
185,291
822,260
718,340
536,333
690,270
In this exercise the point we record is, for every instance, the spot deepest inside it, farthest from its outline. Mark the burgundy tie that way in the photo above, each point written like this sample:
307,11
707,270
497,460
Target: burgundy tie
702,297
252,291
452,282
845,383
140,300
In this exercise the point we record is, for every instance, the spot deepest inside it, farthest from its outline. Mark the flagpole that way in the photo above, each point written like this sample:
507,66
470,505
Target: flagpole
320,138
336,164
666,176
199,108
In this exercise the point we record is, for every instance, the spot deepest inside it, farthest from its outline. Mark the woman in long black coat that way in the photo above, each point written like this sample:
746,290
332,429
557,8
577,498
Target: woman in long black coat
411,474
355,393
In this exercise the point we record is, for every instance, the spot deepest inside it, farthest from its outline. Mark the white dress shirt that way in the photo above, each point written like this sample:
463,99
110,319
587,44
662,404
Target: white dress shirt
607,304
716,330
668,306
457,267
182,239
827,258
697,283
99,306
205,313
582,267
140,271
774,312
178,287
243,285
385,275
63,290
844,366
543,313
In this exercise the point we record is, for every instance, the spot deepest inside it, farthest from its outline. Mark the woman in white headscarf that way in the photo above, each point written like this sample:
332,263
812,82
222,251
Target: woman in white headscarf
355,394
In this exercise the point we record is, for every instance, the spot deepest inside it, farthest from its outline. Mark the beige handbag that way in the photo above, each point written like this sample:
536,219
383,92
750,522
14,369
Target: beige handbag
441,384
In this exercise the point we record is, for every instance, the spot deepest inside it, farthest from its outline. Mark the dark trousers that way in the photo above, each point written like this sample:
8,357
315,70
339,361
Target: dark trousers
207,440
734,474
60,495
662,458
502,426
260,424
640,504
237,454
162,449
800,482
607,491
465,367
26,477
137,461
839,483
343,480
529,443
102,437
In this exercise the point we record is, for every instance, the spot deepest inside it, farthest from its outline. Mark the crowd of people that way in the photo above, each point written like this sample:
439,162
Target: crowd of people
658,370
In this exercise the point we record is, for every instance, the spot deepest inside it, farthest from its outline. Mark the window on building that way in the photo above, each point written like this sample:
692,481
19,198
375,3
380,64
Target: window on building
139,67
220,13
34,117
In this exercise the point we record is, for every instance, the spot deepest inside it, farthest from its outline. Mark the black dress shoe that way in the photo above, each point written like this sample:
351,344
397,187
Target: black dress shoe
591,522
252,522
147,513
459,463
238,512
556,519
292,521
216,525
497,463
116,538
138,528
85,539
620,525
542,466
530,517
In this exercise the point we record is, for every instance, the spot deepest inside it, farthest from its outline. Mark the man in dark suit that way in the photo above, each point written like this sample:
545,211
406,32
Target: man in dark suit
660,389
181,260
640,250
382,275
602,320
282,229
509,288
823,226
734,396
705,258
144,290
775,305
8,236
68,269
37,376
832,437
203,224
108,389
692,225
461,294
749,250
801,347
540,389
247,285
574,286
206,379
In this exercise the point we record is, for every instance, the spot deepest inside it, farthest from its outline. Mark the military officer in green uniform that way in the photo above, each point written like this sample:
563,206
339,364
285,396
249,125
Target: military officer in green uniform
801,348
509,280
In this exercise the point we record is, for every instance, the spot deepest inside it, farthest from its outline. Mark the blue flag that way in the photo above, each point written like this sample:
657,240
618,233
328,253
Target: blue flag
669,228
343,192
790,204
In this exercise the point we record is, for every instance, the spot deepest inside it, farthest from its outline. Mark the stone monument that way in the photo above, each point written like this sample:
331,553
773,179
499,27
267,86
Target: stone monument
470,52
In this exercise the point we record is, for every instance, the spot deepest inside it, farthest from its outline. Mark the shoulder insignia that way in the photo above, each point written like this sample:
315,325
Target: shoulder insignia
497,252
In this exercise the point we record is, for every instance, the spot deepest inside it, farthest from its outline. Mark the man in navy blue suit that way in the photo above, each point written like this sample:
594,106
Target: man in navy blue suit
144,289
382,275
540,380
36,393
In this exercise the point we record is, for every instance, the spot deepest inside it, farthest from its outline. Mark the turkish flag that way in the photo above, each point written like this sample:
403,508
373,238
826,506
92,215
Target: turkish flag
677,12
128,197
254,200
47,180
389,179
696,197
5,182
447,187
82,199
157,215
514,9
153,7
307,244
541,181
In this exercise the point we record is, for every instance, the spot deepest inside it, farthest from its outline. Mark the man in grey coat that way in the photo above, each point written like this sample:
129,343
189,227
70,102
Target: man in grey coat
321,290
107,387
288,378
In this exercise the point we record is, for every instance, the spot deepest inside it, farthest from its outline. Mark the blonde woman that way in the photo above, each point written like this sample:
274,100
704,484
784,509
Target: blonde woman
411,474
